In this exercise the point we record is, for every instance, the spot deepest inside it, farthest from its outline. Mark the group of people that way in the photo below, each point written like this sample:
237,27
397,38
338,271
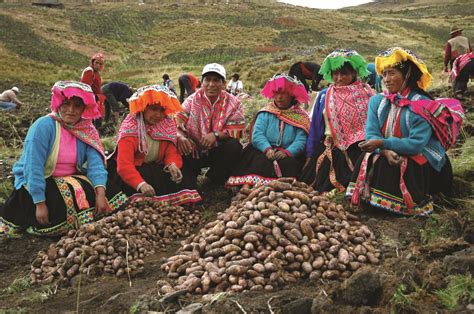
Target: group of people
376,148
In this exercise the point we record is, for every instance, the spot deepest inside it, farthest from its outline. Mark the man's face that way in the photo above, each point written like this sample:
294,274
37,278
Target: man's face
213,84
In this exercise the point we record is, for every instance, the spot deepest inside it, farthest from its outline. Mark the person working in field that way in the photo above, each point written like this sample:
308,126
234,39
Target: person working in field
235,85
404,161
115,92
60,179
278,135
457,45
338,122
9,100
91,76
146,159
210,126
463,69
188,84
168,83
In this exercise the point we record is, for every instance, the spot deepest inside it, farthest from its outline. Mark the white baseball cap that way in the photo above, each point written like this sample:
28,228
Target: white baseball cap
16,89
214,68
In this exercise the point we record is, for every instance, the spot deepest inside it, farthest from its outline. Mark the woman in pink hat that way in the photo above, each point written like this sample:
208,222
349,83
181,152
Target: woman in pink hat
278,135
60,179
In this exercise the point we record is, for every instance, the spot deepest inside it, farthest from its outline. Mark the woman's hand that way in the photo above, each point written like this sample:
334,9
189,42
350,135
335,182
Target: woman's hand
101,206
279,155
185,147
209,141
42,213
392,157
270,154
175,173
147,189
370,145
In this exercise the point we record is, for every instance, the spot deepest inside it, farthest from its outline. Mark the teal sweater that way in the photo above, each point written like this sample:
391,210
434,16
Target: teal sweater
265,135
29,171
417,134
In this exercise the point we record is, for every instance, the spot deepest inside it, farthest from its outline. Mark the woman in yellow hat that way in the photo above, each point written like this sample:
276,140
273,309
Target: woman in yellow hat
404,161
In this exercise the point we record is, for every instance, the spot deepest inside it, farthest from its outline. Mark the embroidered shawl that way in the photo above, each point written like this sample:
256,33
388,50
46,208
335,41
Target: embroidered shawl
294,116
164,131
346,110
83,130
200,117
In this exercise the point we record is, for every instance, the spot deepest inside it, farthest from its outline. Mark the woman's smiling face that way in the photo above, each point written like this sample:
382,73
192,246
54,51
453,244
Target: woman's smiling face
393,79
71,110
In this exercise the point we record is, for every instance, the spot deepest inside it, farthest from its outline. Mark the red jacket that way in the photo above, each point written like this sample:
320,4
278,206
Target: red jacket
128,158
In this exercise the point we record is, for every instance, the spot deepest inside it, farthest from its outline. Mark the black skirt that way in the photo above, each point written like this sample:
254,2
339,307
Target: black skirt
384,189
64,212
165,189
255,168
321,181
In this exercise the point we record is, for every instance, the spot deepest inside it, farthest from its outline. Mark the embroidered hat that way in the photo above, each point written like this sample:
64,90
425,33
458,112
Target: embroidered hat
214,68
286,83
396,55
152,95
336,59
63,90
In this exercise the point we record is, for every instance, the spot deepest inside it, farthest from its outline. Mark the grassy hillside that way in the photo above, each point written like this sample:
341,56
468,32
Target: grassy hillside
41,45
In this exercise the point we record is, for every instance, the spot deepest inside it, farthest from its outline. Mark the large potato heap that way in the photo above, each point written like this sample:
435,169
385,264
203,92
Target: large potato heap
115,244
281,232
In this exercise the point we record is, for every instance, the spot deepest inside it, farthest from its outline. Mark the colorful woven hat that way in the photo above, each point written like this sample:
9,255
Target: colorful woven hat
67,89
396,55
154,94
286,83
336,59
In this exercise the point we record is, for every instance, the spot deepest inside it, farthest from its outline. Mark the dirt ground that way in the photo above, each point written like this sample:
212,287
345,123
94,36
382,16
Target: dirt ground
419,255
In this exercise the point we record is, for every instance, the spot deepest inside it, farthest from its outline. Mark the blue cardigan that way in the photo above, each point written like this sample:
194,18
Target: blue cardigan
418,136
29,170
265,135
316,131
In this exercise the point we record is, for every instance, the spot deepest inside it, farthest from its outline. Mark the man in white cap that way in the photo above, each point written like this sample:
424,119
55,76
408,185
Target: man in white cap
457,45
8,99
210,126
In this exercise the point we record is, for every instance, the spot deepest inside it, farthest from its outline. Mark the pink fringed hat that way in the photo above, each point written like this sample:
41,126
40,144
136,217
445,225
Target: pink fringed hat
67,89
286,83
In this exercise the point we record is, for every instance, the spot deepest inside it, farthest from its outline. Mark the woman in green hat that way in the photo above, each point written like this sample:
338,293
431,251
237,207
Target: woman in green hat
338,122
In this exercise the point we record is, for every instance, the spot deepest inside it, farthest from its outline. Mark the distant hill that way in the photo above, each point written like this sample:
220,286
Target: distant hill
254,38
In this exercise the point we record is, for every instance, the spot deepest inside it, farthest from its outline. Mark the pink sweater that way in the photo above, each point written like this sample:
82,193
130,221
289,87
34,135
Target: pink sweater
67,156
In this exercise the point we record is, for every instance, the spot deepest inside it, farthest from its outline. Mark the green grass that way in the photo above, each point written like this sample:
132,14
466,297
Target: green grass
400,298
22,40
460,287
435,229
18,285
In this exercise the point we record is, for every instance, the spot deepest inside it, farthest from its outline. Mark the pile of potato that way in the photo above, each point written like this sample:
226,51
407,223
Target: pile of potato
279,233
114,245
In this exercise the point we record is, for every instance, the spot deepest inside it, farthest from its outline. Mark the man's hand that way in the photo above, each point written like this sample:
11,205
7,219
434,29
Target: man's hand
208,141
279,155
270,154
147,189
392,157
370,145
42,213
175,173
185,147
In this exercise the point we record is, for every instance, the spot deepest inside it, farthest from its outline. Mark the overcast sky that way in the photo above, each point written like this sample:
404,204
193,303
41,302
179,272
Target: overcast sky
325,4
